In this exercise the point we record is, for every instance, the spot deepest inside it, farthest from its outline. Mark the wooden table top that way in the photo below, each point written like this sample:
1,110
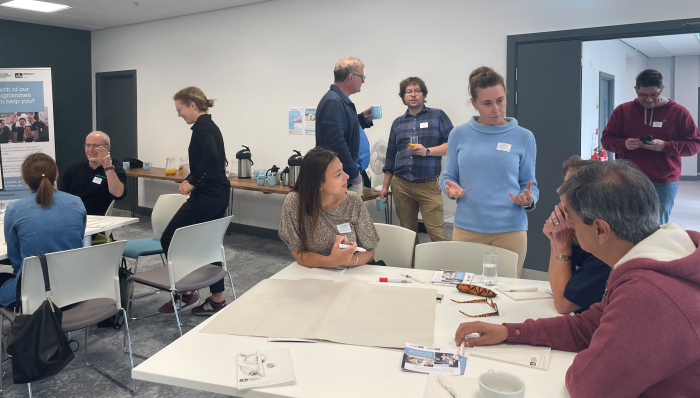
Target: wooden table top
247,184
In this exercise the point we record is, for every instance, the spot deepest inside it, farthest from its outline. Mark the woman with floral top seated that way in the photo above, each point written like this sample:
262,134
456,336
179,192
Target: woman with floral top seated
320,214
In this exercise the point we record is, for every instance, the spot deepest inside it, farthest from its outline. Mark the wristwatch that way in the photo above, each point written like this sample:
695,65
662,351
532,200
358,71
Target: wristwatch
108,168
427,151
563,257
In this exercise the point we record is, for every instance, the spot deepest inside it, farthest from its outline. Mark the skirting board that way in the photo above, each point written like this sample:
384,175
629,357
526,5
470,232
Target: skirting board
690,178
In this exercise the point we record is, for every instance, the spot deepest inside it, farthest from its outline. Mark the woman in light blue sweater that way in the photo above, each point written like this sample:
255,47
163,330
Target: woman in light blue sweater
490,171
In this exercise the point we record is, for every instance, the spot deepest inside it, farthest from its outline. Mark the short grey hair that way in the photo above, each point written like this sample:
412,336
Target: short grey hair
618,193
104,136
345,67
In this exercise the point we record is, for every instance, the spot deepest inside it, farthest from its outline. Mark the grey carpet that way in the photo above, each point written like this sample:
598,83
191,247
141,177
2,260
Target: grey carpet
250,260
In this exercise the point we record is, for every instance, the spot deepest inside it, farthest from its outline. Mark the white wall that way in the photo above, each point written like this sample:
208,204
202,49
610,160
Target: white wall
260,59
608,56
687,73
636,63
667,67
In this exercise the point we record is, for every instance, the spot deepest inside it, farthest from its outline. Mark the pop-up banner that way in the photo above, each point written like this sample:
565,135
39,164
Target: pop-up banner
26,124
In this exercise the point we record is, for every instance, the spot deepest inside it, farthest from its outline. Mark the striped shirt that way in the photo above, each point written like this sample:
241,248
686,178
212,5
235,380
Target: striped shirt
432,126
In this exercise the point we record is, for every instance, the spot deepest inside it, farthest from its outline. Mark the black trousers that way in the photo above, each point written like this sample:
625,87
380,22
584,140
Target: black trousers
202,206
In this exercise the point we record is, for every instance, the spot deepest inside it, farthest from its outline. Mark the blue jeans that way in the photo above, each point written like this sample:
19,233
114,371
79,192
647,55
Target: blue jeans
667,195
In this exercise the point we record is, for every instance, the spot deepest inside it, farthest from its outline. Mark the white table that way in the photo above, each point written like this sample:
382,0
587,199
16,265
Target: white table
207,362
95,224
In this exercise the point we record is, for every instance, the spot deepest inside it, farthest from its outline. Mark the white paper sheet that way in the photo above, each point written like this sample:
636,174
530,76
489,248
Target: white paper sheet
518,296
349,312
519,354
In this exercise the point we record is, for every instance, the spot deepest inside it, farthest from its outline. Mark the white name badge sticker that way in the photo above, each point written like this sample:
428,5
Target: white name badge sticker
658,124
344,228
424,125
503,147
97,180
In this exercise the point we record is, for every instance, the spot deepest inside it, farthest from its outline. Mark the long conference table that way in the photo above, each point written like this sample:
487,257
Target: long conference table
246,184
95,224
207,362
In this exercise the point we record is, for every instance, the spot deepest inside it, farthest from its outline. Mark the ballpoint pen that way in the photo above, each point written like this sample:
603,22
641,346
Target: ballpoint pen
261,368
525,289
415,279
446,386
461,349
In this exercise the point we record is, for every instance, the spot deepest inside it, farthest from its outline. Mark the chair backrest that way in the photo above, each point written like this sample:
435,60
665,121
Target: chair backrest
195,246
110,209
75,275
395,245
464,256
164,210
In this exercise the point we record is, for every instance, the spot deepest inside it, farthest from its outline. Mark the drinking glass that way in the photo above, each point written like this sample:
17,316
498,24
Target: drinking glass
490,268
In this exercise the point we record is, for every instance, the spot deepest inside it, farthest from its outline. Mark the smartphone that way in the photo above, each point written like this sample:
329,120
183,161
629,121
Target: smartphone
645,139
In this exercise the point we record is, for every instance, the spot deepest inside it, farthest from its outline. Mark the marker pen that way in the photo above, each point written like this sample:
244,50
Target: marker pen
357,249
396,280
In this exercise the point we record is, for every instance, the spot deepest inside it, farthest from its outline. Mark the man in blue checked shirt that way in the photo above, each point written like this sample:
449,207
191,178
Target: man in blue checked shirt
413,169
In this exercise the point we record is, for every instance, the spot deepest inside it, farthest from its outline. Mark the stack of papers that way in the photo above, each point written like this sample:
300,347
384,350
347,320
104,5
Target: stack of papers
423,359
519,296
266,368
452,278
526,355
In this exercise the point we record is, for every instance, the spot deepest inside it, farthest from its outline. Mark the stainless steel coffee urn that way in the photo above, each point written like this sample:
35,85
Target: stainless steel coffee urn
244,162
274,171
294,163
285,177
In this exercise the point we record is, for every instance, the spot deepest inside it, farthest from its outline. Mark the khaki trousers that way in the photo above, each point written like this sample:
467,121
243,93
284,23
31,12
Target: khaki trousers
409,197
515,241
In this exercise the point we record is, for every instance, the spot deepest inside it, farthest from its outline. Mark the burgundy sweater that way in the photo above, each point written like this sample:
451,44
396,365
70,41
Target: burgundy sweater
677,128
642,340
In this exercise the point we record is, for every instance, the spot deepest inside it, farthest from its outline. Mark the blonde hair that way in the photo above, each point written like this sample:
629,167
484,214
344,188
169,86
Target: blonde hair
196,95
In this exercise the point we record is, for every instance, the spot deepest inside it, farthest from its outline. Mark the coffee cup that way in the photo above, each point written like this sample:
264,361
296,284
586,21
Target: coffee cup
146,166
381,204
260,179
126,165
376,111
271,180
493,384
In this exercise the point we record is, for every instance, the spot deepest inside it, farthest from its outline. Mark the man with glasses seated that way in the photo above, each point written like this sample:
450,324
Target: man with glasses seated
653,132
98,180
643,339
338,125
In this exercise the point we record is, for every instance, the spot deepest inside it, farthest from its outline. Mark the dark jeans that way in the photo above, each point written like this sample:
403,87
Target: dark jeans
207,205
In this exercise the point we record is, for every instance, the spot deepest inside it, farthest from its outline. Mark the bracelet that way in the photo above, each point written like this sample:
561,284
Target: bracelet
108,168
357,258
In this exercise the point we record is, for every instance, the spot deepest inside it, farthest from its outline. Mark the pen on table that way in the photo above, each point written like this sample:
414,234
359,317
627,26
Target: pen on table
357,249
525,289
261,368
446,386
412,278
396,280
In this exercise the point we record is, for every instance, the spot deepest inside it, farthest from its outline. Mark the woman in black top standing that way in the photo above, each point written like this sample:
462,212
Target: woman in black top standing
207,186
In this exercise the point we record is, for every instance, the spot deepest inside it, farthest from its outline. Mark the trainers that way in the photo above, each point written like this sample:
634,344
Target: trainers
208,308
184,302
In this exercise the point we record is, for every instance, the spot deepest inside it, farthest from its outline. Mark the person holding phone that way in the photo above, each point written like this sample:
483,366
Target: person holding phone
654,132
490,170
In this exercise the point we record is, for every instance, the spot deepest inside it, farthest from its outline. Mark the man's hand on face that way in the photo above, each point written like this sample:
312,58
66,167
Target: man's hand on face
103,157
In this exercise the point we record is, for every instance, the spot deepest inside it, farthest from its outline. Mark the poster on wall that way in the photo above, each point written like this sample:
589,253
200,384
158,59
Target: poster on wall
295,121
310,121
26,124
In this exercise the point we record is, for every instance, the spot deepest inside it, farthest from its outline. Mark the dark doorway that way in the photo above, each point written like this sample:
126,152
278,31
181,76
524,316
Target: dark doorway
115,94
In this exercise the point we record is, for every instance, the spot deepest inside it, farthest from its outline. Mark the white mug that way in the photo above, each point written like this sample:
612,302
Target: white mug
493,384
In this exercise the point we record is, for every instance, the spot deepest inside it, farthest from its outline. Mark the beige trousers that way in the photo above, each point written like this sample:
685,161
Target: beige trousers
515,241
409,197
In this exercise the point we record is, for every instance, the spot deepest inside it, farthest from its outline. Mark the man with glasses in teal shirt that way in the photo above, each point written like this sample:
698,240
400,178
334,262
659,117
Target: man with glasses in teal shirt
99,179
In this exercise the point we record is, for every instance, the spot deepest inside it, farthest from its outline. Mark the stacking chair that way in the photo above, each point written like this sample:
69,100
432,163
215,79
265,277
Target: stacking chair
190,255
164,210
464,256
87,276
395,245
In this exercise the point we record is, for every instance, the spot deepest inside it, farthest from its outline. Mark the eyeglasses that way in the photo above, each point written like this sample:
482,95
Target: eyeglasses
409,92
645,96
182,107
94,145
363,77
487,301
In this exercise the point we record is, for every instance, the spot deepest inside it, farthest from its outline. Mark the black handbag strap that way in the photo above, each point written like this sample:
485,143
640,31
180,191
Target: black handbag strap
45,271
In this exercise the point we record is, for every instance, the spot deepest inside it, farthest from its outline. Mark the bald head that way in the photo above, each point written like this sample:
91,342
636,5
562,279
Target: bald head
98,134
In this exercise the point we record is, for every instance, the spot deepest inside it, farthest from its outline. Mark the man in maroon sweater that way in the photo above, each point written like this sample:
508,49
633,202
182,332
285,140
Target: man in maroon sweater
644,338
671,128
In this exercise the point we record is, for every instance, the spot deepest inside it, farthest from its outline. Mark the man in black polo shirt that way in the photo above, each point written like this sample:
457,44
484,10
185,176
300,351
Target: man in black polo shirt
96,181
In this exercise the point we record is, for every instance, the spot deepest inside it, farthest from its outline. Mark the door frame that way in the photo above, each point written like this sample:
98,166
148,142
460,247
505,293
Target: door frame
662,28
611,97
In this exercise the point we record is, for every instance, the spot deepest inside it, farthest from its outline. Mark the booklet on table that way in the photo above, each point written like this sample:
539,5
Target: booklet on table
451,278
424,359
265,368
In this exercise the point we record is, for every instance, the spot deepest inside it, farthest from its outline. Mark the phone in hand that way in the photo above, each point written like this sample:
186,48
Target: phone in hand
645,139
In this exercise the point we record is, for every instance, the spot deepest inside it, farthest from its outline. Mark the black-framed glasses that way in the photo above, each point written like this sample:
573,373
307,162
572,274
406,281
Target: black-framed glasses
644,96
409,92
363,77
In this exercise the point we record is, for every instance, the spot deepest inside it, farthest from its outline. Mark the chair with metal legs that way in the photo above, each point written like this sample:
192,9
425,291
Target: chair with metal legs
192,251
87,277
